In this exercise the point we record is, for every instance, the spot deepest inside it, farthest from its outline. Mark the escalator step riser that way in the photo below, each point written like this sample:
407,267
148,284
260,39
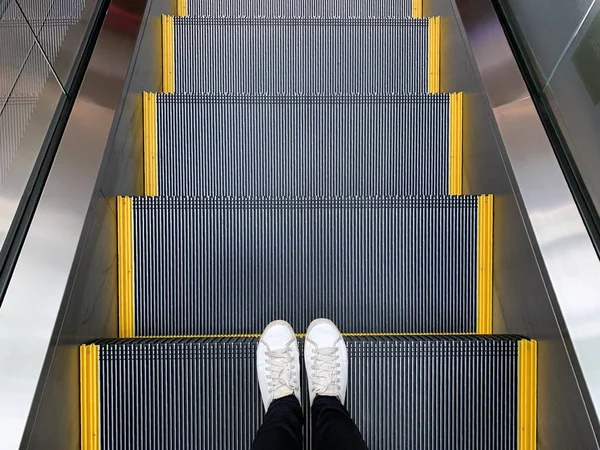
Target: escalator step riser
301,9
204,266
303,146
360,56
443,392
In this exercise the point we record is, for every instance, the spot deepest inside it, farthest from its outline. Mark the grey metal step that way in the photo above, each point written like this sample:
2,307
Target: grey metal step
310,56
297,145
213,266
300,9
404,392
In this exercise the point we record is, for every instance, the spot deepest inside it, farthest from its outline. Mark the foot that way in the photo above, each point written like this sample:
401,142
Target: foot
326,360
278,363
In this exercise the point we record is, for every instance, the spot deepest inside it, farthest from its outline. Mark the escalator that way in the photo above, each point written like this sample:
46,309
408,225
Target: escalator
301,161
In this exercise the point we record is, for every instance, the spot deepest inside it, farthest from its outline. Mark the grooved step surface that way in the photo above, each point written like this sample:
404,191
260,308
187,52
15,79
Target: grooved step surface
417,393
300,56
300,8
249,145
206,266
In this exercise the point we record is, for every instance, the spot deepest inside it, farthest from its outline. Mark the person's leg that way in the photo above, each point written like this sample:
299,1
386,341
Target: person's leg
333,428
278,373
326,360
282,427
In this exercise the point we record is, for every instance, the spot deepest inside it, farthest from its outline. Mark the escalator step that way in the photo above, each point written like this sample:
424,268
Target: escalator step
309,56
409,392
300,9
281,146
192,266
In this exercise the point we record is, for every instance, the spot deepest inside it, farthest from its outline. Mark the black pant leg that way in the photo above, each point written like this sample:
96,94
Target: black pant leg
282,426
333,428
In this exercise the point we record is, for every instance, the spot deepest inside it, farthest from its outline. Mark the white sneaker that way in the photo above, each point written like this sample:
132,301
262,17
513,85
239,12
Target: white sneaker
278,362
326,360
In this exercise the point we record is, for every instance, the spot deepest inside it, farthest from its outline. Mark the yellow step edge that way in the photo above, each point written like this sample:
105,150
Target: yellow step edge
417,9
150,144
89,397
182,8
125,266
433,59
527,395
485,244
456,143
168,54
299,335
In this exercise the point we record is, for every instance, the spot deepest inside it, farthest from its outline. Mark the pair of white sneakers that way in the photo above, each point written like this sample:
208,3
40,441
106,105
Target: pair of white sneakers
278,361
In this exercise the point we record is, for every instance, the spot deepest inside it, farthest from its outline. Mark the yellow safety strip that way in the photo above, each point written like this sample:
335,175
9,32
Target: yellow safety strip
456,143
527,400
433,60
182,8
150,144
89,397
485,244
417,9
299,335
125,266
168,54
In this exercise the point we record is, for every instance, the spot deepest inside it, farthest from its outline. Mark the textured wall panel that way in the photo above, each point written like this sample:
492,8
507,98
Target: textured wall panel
232,266
300,56
232,145
417,393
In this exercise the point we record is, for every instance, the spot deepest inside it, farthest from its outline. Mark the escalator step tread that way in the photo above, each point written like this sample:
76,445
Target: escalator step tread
360,56
404,264
299,145
303,8
417,392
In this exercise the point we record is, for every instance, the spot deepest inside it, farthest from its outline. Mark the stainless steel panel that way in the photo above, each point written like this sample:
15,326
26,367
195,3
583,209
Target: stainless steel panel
577,115
24,123
546,279
73,260
63,32
36,11
548,27
31,317
17,41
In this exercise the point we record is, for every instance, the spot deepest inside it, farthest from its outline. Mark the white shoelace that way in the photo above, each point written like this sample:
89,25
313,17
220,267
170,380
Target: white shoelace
280,371
325,371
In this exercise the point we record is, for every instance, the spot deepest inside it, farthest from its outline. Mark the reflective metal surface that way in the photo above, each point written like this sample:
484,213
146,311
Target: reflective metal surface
33,316
41,42
568,264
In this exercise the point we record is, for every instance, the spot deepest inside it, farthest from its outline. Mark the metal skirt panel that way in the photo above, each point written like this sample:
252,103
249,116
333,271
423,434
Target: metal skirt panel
228,145
300,56
210,266
413,393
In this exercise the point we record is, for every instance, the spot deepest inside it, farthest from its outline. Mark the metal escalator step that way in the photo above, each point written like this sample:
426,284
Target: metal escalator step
190,266
404,392
363,56
348,9
299,145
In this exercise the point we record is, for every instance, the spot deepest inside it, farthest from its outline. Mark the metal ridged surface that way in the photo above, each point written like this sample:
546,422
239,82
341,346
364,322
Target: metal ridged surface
231,266
248,145
300,9
439,392
362,56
